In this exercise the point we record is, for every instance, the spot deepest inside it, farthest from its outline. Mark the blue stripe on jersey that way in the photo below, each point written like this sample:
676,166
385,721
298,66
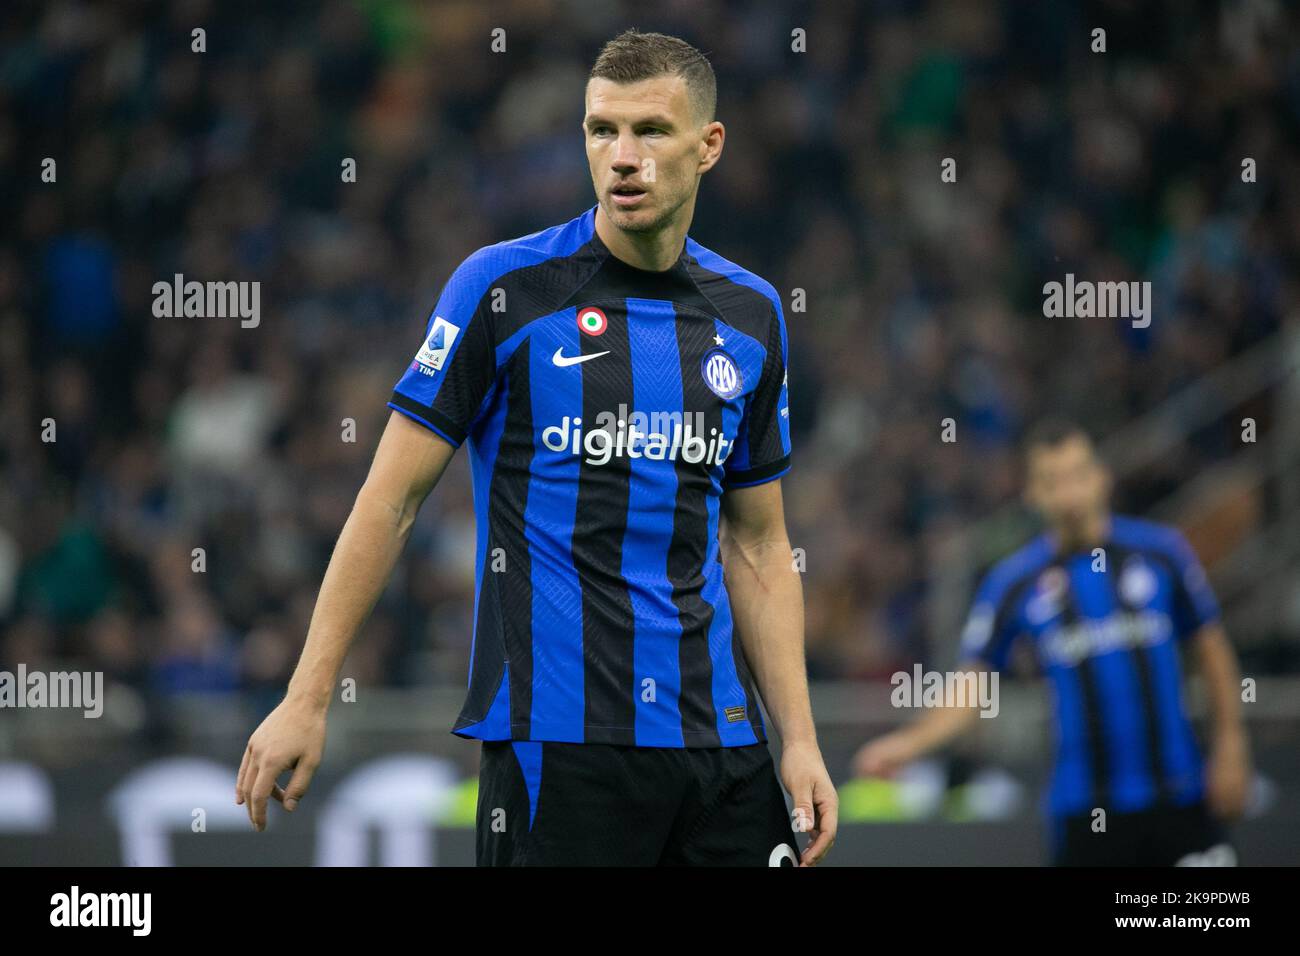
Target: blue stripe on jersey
529,755
1129,773
1072,776
657,631
558,702
727,689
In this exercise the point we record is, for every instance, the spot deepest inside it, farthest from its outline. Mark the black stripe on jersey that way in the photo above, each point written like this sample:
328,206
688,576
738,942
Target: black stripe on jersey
506,509
1186,608
1090,691
505,620
614,277
745,309
686,550
1012,598
761,441
1141,660
429,414
755,475
608,622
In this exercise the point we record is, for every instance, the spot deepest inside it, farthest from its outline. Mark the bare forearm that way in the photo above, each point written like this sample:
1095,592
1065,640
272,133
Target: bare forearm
939,727
767,604
363,558
1223,687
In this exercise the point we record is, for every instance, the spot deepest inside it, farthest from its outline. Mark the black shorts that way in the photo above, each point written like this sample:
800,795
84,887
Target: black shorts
559,804
1161,836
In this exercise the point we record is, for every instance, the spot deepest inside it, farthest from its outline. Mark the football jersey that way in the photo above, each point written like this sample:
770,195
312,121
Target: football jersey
607,409
1105,628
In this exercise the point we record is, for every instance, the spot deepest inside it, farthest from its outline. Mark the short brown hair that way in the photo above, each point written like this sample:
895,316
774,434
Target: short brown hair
632,56
1052,433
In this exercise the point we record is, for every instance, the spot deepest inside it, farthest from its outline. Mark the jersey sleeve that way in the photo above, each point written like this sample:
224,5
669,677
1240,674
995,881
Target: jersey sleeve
455,365
762,449
1194,602
992,625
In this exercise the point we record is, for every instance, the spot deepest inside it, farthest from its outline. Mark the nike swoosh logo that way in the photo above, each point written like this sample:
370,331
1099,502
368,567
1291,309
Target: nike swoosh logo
564,361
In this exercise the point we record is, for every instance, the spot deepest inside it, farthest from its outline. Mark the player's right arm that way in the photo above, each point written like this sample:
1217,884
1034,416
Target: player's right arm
435,403
407,464
985,645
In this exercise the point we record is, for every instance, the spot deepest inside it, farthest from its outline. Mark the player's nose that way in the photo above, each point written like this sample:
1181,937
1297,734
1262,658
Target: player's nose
625,158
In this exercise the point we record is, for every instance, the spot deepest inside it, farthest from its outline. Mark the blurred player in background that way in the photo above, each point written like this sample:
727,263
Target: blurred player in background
1107,601
621,388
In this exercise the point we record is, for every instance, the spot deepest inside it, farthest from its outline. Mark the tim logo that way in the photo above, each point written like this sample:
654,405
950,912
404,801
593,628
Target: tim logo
721,374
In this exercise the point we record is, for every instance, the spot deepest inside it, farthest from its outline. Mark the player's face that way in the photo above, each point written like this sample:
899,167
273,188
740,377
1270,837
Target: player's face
1068,485
646,149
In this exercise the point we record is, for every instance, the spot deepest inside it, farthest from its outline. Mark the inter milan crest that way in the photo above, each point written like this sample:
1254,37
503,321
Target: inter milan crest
721,374
1137,582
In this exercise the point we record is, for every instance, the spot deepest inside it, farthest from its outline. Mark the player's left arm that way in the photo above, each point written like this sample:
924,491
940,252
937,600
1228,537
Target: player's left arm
1228,771
1198,619
767,606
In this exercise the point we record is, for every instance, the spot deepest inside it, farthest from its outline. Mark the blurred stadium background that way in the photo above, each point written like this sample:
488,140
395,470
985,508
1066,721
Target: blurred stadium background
924,302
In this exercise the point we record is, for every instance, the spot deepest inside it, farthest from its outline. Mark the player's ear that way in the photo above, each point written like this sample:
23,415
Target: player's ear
714,135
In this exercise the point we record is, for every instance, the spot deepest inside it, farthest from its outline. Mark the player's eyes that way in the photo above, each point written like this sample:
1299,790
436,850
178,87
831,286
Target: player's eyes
601,130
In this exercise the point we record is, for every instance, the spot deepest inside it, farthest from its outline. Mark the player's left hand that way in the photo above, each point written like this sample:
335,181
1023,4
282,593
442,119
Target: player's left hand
1227,778
816,805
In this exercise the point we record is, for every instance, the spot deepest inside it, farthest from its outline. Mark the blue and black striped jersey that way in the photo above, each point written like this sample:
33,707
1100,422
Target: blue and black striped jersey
606,408
1105,626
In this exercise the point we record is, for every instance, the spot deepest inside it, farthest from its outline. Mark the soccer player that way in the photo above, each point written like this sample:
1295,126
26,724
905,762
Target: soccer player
623,393
1107,601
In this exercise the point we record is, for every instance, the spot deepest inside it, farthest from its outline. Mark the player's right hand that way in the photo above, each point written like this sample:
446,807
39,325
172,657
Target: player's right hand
292,737
884,756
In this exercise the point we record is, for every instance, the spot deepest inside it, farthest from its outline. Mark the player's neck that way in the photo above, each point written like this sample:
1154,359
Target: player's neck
1093,533
651,251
